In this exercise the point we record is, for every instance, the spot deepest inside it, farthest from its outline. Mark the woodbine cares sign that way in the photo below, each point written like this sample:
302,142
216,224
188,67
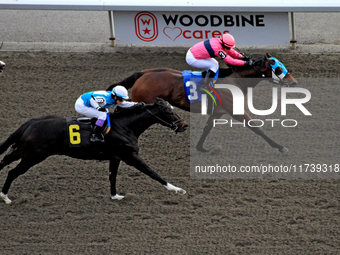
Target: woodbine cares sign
177,28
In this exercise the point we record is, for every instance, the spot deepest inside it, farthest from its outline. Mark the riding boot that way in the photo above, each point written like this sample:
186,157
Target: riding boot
97,135
209,74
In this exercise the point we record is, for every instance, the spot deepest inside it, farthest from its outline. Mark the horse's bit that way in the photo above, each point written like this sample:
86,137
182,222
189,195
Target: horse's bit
171,125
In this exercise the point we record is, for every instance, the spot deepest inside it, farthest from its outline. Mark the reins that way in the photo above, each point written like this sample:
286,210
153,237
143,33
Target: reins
243,87
172,125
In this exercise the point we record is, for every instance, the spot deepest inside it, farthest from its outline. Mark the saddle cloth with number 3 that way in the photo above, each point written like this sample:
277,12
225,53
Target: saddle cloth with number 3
192,81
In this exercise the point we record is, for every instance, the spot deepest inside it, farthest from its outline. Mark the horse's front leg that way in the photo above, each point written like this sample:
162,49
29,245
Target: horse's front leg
257,130
114,164
206,130
136,161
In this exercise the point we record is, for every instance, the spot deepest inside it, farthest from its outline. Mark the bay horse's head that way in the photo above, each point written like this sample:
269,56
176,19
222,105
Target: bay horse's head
271,67
2,66
166,115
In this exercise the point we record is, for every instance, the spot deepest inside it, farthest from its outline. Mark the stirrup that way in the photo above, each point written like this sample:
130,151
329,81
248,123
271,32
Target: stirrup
207,77
95,138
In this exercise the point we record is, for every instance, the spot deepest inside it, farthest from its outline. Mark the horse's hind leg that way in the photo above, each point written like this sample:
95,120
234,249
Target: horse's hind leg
206,130
9,158
257,130
272,143
20,169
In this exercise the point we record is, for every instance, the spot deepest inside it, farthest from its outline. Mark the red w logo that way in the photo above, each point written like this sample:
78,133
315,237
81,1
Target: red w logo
145,21
146,26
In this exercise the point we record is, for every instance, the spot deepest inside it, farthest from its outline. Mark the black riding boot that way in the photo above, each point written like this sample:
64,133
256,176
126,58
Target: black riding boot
97,135
209,74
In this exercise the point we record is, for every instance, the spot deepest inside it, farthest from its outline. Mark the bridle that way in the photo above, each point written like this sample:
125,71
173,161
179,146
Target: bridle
171,124
278,81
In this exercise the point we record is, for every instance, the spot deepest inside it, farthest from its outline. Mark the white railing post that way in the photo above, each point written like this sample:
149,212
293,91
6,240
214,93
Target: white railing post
112,29
292,27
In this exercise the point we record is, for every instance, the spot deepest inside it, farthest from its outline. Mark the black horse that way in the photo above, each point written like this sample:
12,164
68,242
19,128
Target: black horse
40,138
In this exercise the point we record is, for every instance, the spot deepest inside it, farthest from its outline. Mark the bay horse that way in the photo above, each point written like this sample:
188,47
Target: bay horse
2,66
167,83
40,138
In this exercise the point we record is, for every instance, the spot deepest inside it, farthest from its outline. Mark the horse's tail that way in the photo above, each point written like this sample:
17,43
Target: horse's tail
127,82
14,138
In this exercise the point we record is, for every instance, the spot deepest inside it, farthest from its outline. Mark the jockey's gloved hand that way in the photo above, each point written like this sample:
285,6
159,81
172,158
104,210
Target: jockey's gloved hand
102,109
246,58
249,62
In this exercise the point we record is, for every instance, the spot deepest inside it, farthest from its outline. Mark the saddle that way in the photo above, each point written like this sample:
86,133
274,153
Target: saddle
193,84
79,130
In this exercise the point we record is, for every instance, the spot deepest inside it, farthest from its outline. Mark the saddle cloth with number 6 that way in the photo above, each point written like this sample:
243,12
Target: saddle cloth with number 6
79,131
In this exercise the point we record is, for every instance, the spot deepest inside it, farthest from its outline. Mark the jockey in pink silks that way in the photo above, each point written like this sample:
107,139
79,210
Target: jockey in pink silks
202,54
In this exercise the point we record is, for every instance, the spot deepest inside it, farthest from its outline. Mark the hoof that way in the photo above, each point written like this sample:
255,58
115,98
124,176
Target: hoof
215,150
181,192
284,150
201,149
117,197
5,198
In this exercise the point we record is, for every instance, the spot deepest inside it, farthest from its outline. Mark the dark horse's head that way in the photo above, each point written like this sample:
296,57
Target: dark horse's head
270,67
166,115
2,66
159,111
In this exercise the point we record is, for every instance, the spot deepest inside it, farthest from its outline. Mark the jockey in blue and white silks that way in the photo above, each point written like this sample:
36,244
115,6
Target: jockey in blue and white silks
94,104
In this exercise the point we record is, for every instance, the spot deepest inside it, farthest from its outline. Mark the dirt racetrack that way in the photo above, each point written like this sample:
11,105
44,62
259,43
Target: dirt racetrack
62,205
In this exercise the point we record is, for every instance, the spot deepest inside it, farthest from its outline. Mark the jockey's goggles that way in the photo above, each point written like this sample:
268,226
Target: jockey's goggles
119,98
225,46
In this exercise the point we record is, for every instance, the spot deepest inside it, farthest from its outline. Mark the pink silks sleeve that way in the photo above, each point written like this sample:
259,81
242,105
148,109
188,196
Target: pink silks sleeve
234,62
233,53
226,56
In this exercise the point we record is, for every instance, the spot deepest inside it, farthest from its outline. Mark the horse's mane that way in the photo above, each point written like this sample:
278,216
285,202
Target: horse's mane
261,61
127,110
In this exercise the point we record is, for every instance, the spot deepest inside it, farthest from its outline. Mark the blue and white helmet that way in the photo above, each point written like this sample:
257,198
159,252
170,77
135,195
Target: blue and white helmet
120,91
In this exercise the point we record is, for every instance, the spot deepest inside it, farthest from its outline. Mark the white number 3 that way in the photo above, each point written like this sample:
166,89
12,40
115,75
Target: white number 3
193,90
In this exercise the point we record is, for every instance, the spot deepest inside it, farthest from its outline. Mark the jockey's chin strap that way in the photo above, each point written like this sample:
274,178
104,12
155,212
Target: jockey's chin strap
171,125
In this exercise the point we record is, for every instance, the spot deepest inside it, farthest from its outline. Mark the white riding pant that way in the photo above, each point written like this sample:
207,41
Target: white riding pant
208,63
88,111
